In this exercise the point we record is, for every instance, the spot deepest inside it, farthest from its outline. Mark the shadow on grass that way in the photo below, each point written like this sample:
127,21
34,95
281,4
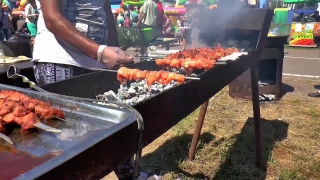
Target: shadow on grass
286,88
168,156
241,159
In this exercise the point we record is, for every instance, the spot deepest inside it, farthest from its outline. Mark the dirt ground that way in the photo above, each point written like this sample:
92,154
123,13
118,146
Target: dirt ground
290,132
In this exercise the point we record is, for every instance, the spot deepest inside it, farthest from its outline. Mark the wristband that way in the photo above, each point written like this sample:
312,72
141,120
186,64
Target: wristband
100,51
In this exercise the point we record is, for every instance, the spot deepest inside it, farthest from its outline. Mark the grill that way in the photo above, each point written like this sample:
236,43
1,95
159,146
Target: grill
163,110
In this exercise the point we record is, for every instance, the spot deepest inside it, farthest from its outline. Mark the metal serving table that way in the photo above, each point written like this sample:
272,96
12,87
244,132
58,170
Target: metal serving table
84,143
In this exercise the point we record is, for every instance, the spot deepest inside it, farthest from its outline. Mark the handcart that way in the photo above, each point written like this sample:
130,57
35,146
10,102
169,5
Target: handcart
143,38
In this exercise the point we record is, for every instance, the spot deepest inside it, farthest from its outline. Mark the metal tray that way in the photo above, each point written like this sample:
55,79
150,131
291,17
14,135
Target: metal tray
92,124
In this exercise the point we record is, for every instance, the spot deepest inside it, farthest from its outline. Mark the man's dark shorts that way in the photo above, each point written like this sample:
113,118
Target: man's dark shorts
187,34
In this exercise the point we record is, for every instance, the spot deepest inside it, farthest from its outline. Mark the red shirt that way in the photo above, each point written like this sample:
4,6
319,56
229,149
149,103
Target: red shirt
160,19
127,23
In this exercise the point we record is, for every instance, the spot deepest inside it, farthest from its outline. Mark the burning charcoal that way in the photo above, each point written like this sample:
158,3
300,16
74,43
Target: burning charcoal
128,101
124,94
132,92
142,97
182,70
110,96
123,86
168,87
135,100
134,85
100,97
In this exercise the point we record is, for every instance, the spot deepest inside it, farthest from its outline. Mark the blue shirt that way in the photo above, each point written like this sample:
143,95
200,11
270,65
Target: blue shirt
263,4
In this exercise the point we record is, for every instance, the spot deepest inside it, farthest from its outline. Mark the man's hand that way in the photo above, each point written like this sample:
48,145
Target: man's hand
114,56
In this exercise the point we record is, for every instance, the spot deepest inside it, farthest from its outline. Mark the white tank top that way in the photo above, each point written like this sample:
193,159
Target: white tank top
88,17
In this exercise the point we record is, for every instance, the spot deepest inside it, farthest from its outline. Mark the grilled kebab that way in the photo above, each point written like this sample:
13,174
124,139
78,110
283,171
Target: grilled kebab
42,109
200,58
17,108
151,77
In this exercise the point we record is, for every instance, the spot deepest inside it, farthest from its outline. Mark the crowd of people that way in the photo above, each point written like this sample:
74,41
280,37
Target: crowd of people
151,14
25,23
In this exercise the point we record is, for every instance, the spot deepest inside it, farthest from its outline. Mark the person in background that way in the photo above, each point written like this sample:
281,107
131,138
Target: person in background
161,19
186,21
316,16
148,15
263,4
6,26
120,19
299,18
134,16
167,26
180,31
127,21
316,35
115,19
31,14
148,19
195,31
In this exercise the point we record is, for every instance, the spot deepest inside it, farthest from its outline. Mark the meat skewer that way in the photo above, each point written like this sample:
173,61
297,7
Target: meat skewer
163,77
201,58
41,109
13,111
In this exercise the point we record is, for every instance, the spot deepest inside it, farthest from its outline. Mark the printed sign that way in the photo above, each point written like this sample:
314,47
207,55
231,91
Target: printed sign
302,34
171,11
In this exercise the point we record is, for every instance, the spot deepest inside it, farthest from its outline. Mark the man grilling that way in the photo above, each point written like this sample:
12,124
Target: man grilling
73,37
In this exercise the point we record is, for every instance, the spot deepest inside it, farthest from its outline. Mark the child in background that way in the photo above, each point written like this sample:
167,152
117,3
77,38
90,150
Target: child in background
127,21
180,31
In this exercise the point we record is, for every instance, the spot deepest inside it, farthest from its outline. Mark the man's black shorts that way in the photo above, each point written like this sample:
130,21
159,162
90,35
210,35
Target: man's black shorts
187,34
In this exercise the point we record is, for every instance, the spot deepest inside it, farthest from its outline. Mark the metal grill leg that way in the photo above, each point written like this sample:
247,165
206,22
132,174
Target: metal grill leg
256,116
197,131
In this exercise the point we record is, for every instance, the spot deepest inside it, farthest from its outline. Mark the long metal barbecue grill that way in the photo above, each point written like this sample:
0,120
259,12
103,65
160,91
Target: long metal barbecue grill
164,110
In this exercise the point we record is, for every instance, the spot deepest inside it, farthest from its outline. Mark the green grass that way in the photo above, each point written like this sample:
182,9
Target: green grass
226,148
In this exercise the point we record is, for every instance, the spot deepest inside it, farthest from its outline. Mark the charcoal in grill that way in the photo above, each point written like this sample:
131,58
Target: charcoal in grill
137,92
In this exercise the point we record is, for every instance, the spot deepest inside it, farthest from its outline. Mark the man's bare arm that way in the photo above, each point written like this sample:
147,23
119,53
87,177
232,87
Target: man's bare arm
64,30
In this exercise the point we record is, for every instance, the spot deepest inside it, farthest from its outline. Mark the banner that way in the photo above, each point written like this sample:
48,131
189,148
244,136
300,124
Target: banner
302,34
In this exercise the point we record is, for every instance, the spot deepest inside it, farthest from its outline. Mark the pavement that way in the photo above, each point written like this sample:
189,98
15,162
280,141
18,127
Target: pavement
302,62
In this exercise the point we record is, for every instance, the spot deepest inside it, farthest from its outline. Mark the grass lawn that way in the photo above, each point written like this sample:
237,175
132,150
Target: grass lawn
291,130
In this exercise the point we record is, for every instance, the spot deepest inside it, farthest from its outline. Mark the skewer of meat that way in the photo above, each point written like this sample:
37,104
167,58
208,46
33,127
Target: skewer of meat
13,112
42,109
200,58
206,53
151,77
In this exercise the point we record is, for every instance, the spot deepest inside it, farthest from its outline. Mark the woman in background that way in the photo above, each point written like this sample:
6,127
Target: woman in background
167,26
134,16
6,26
31,13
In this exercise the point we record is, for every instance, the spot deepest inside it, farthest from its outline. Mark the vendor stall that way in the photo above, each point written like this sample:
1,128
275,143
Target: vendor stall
94,153
300,15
